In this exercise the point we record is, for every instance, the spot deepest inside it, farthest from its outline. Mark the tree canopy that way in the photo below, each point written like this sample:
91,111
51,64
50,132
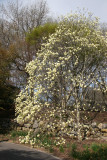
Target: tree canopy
40,32
66,66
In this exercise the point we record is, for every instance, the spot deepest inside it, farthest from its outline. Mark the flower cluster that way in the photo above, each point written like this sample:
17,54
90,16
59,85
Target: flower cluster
59,141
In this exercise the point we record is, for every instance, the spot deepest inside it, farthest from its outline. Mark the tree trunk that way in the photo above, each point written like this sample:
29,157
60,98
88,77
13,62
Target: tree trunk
78,122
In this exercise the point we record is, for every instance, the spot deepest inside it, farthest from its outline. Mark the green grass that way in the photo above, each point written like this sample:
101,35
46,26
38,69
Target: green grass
94,152
51,149
61,148
15,134
68,145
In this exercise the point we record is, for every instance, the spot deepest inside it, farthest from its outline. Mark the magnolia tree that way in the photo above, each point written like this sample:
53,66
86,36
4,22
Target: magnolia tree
67,65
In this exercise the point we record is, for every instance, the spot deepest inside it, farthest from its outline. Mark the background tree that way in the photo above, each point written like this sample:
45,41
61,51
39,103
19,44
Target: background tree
7,90
26,49
17,21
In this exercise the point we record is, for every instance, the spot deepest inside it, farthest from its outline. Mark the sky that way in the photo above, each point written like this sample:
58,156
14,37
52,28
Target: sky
64,7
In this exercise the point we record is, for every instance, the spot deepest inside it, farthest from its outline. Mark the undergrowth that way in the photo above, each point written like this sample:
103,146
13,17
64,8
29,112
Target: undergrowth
94,152
49,142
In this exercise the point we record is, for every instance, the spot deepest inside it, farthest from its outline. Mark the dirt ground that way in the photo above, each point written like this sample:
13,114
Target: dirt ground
100,117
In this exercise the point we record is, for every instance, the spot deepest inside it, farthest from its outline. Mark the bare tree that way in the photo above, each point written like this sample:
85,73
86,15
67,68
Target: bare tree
16,19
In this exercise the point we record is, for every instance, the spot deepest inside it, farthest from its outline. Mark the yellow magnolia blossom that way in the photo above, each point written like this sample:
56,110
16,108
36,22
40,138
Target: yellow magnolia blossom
68,65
